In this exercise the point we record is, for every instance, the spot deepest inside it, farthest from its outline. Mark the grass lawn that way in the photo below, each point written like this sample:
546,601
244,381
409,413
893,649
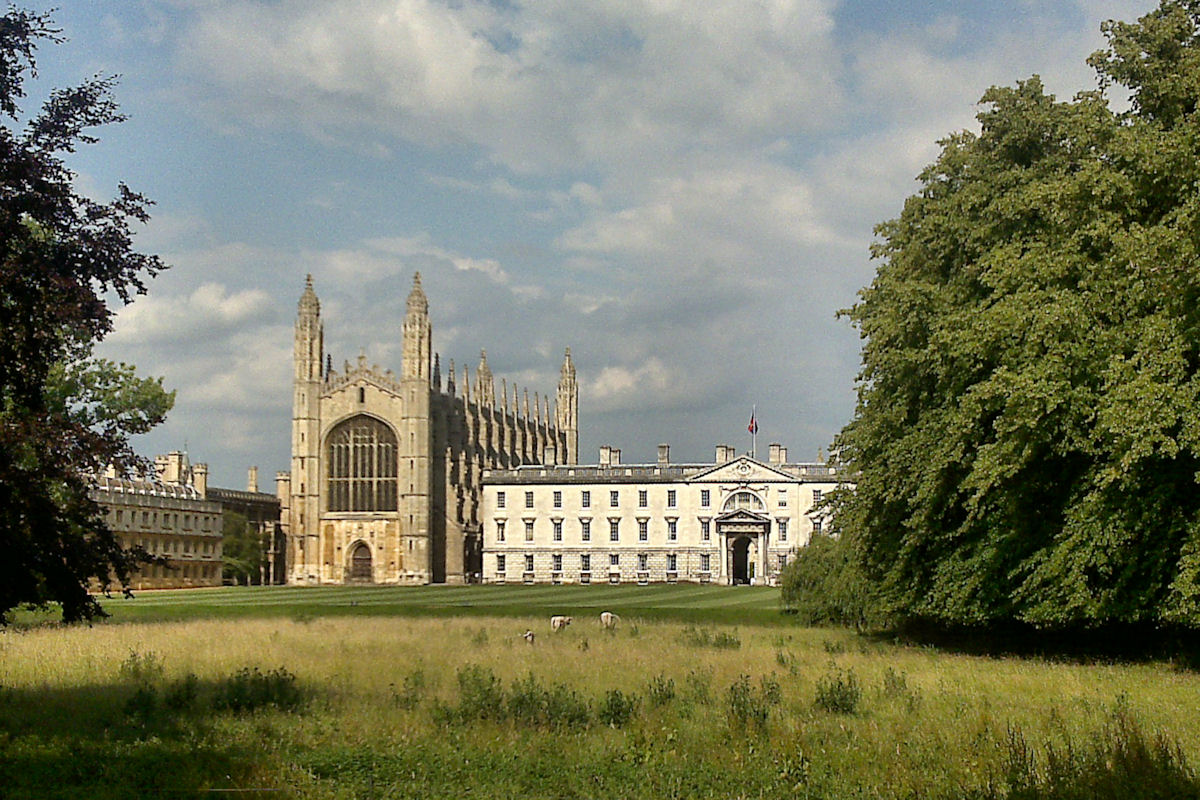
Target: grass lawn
426,693
724,604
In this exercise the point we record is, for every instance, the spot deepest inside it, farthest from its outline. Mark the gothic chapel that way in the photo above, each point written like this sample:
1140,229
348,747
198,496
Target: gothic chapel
385,479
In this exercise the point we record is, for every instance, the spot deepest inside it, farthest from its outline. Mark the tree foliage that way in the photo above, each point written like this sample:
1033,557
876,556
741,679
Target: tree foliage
241,549
1027,434
63,416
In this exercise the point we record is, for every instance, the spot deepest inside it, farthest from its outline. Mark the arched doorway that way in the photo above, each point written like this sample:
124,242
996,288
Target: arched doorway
740,572
360,564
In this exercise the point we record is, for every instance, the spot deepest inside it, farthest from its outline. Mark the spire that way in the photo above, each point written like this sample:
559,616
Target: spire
525,405
483,381
466,384
504,394
328,364
537,406
437,372
450,387
309,304
417,301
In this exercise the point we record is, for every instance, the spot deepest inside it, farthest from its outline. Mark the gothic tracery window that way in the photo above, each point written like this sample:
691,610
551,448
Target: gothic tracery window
361,456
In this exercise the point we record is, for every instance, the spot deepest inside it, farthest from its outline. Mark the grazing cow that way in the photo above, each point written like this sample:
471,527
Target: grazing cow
528,637
558,622
609,620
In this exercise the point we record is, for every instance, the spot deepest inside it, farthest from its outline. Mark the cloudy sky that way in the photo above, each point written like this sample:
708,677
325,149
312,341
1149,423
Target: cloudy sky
682,193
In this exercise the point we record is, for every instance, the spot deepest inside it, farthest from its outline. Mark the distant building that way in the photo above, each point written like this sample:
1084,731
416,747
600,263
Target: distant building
737,520
177,515
385,478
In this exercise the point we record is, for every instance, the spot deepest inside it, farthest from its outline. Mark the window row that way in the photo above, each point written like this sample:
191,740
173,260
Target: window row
614,562
168,520
738,500
643,530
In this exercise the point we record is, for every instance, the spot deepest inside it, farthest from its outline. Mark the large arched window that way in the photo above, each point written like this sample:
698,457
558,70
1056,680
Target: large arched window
744,500
362,466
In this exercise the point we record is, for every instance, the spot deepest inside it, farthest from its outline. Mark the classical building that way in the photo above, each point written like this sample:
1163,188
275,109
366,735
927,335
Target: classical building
736,520
170,517
386,469
177,515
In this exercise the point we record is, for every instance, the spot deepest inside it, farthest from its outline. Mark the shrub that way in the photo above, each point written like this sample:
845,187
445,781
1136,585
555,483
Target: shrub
699,686
1118,761
823,584
661,690
838,692
748,707
480,693
702,637
412,689
249,689
142,668
617,709
182,694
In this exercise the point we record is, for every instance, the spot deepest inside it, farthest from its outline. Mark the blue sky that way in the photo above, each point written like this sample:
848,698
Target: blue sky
682,193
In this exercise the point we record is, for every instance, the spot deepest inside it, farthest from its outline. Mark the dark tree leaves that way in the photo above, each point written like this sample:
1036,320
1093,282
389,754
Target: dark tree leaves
63,416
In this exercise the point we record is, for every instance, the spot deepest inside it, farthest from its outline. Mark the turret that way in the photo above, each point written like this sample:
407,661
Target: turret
484,387
417,334
308,357
567,409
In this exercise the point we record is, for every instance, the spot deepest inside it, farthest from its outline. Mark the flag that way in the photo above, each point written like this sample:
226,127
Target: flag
753,426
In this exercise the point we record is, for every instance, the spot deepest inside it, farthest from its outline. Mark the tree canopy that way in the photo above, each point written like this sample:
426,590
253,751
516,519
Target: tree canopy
1027,433
63,415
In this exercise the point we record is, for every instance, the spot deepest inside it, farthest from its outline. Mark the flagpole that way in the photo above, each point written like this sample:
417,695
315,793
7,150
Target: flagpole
754,432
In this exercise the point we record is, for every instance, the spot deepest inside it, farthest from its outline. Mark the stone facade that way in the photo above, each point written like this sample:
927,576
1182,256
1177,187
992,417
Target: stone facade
385,477
737,520
170,518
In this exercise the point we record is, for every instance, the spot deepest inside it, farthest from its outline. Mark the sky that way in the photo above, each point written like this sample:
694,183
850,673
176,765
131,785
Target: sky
682,193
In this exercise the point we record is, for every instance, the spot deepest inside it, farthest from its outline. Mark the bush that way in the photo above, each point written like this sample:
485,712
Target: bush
822,585
748,707
146,669
1118,762
838,692
702,637
182,695
249,689
661,690
617,709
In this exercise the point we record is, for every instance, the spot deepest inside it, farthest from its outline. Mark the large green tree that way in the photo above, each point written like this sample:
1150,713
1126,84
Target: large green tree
63,415
1027,435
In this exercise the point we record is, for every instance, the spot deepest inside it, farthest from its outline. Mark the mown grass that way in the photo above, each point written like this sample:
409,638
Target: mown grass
712,604
367,706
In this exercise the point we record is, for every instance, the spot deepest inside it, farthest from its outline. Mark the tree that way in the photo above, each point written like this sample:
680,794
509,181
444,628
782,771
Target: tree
241,549
1027,432
63,416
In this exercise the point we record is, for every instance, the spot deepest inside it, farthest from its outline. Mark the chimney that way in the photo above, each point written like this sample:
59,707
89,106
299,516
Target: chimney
160,467
252,480
615,455
724,453
605,455
774,449
664,455
283,490
200,479
783,455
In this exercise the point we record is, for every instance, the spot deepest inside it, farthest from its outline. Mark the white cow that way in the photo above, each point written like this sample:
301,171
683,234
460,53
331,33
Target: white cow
609,620
558,622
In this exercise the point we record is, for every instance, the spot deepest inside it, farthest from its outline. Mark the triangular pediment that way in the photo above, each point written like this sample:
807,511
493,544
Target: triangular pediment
742,470
355,380
742,515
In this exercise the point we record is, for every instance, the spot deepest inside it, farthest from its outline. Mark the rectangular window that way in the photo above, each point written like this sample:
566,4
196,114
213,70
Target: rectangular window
782,524
643,562
614,530
783,498
557,562
643,530
529,562
816,526
671,562
499,499
499,530
585,530
614,498
614,559
670,498
558,499
529,530
705,498
816,496
585,499
642,498
558,530
782,561
704,531
704,562
585,562
529,499
671,530
500,563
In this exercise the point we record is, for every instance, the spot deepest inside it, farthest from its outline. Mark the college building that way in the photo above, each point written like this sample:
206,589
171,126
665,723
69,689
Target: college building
736,520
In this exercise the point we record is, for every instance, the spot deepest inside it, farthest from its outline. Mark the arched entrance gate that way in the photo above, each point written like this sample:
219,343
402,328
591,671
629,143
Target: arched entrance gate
743,536
360,564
